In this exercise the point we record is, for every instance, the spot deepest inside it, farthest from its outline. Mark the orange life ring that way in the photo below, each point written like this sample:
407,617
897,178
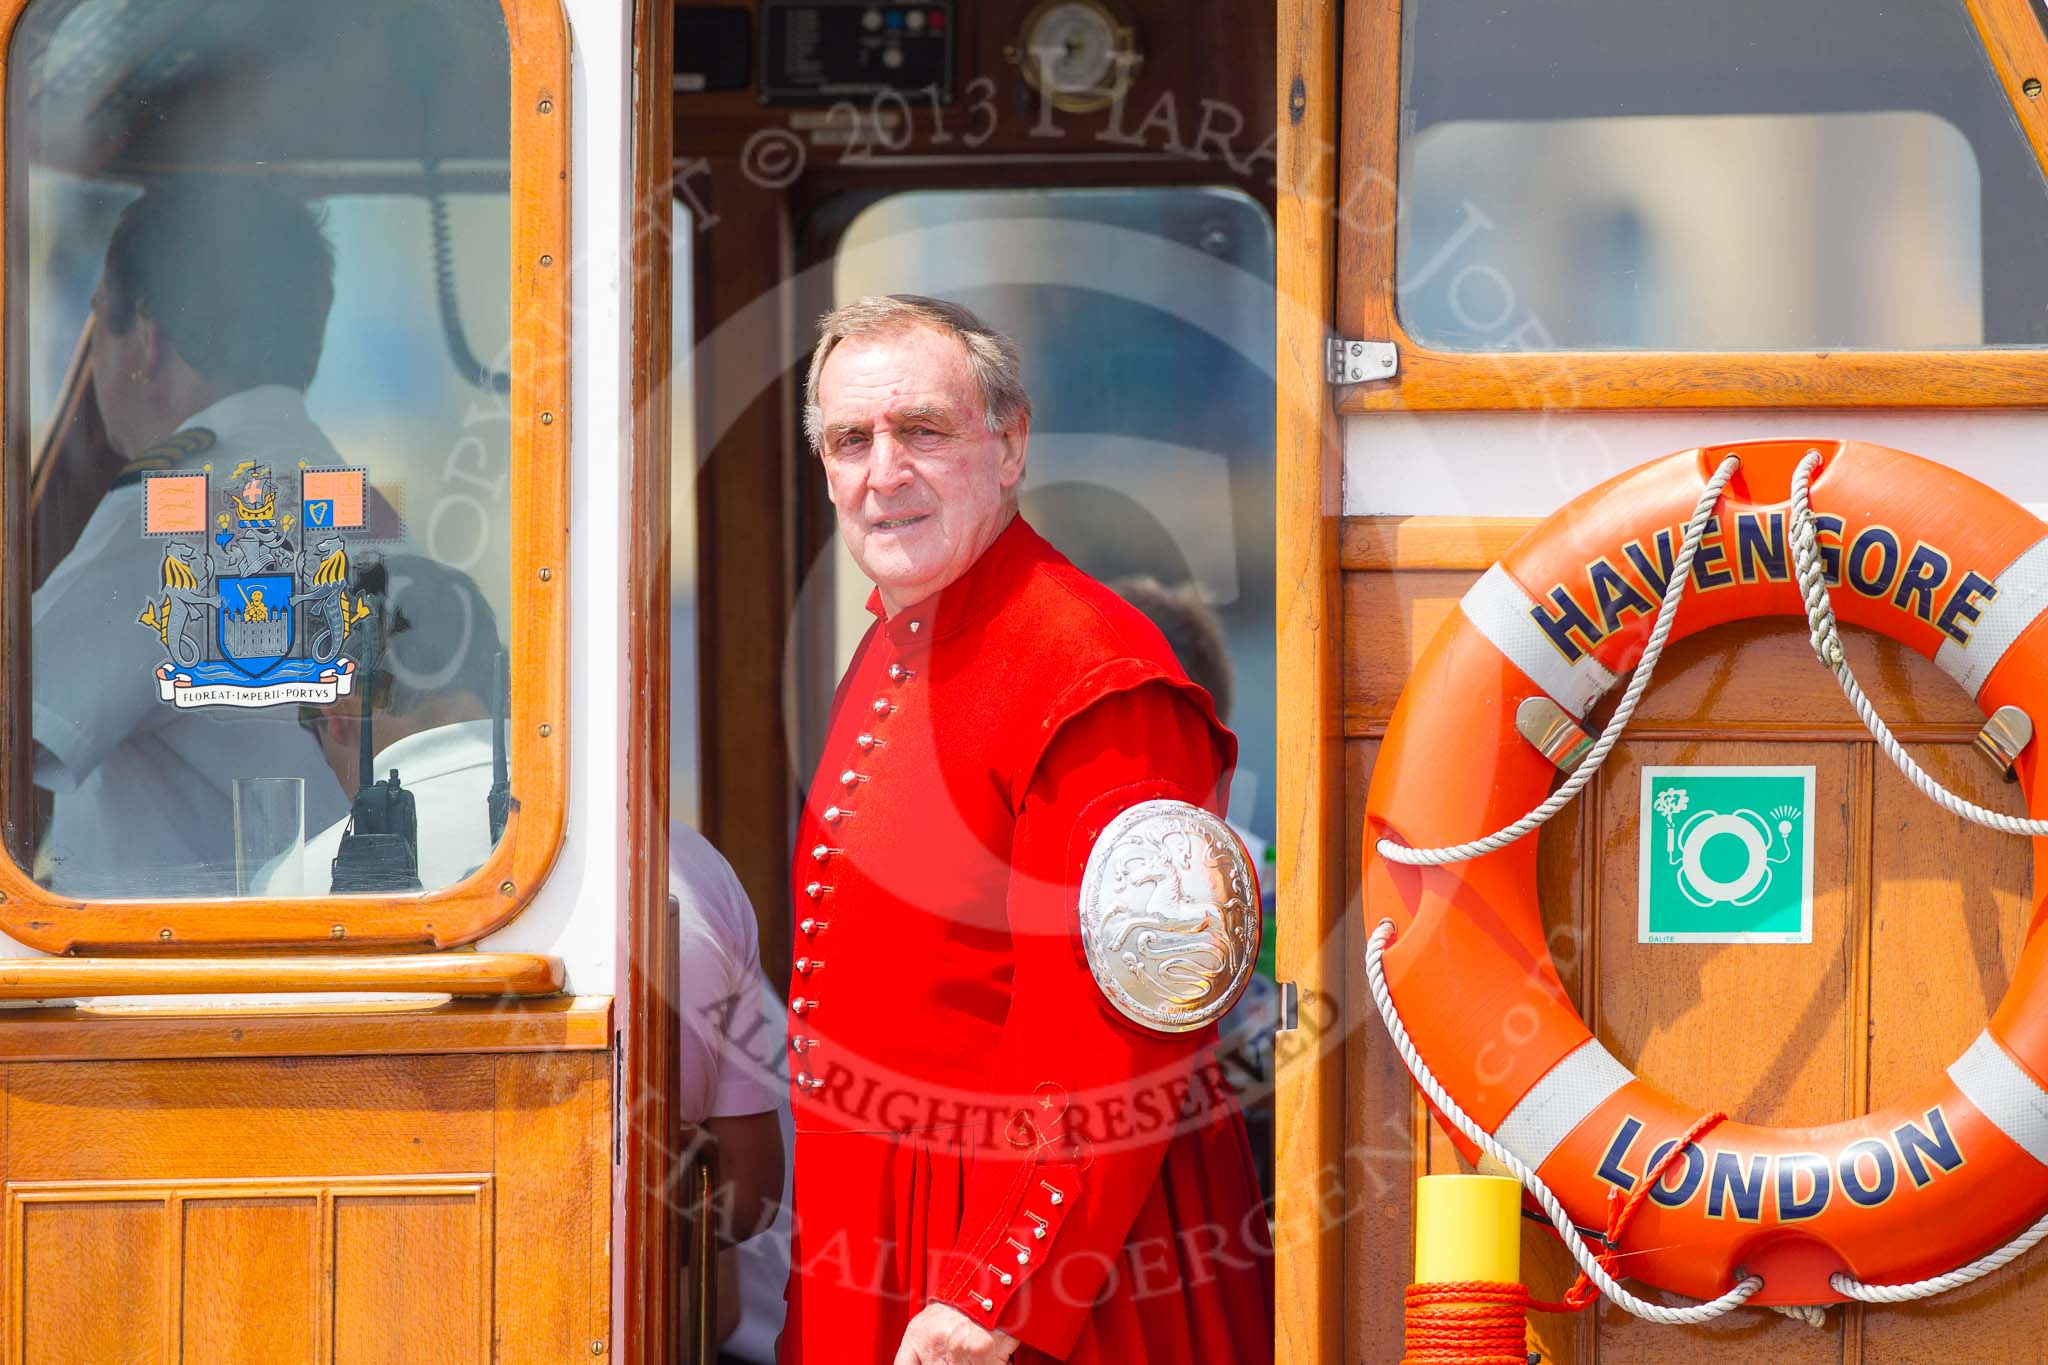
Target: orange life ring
1918,552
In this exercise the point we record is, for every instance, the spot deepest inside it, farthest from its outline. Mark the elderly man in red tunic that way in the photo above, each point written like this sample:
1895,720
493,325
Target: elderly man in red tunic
1018,918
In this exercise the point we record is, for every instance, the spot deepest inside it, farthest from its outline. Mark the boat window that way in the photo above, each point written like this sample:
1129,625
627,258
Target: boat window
260,448
1747,176
1145,317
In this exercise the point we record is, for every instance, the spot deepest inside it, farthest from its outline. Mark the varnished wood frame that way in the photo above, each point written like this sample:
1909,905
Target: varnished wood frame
538,632
306,1029
1309,1096
485,974
1448,380
648,1148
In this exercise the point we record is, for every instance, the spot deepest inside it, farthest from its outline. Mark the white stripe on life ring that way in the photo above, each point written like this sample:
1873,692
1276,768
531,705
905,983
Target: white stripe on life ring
2004,1093
2022,594
1501,609
1565,1098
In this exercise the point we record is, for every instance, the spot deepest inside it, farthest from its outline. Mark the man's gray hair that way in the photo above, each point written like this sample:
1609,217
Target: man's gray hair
992,358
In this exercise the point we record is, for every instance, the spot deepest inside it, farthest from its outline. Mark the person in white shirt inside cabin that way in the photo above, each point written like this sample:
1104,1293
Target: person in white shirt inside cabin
208,325
732,1068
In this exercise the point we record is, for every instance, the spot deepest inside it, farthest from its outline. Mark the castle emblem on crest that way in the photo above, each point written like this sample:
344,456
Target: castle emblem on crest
249,614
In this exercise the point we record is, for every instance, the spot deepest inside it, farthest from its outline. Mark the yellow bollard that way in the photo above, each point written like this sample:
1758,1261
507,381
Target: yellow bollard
1468,1227
1467,1305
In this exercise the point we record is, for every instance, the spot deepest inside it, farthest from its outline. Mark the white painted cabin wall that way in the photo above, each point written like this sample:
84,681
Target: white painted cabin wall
575,914
1530,464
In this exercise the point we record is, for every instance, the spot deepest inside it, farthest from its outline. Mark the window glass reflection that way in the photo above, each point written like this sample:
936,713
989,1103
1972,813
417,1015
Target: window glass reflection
1601,174
257,380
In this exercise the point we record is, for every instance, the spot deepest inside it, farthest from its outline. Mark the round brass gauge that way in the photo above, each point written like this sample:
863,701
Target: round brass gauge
1079,55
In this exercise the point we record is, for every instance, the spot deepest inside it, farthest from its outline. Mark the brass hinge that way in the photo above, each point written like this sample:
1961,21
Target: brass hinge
1362,362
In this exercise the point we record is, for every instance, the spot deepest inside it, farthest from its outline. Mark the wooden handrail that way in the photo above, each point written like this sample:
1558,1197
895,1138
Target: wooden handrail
463,974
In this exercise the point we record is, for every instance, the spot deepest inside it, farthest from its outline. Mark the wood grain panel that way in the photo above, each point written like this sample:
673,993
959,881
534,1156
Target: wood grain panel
2014,39
484,974
1757,1030
1447,381
546,1110
1761,677
331,1208
648,938
1408,543
1389,619
1312,1165
412,1279
251,1286
217,1119
1756,1337
1949,914
301,1030
1381,1156
91,1275
1949,908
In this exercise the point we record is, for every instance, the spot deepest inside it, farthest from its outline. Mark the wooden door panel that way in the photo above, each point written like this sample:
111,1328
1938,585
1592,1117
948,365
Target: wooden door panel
1743,1338
1384,1149
1755,1029
1759,678
551,1122
165,1119
1395,616
331,1209
251,1291
1568,887
403,1266
91,1286
1949,909
1948,915
411,1278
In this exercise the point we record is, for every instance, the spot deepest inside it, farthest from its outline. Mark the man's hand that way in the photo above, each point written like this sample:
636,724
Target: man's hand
943,1335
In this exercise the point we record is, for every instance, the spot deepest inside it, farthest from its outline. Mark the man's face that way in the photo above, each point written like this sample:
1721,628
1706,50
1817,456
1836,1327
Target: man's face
920,484
117,367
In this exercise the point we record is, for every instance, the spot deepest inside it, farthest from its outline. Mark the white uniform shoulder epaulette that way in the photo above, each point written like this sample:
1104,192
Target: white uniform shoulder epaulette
173,452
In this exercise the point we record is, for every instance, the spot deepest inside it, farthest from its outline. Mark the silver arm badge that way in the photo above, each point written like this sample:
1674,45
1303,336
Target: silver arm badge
1170,915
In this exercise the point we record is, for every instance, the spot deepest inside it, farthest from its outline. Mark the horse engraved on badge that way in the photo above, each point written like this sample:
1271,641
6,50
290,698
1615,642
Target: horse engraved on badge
1169,915
251,618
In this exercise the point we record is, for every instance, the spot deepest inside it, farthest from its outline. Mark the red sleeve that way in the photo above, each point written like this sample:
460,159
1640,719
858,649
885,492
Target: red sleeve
1092,1098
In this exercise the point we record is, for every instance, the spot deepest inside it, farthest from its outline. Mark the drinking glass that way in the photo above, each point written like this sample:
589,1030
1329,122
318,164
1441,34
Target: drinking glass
270,835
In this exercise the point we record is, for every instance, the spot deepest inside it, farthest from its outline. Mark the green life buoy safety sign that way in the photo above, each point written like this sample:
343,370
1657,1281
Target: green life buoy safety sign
1726,855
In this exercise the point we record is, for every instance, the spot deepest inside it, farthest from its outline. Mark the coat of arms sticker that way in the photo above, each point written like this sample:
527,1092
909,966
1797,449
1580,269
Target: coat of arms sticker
254,604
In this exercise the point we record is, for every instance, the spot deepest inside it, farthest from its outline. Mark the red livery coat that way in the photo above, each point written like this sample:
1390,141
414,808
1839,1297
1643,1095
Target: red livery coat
975,1123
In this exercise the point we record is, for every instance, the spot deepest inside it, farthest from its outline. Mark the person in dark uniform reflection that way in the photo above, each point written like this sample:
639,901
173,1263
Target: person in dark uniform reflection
208,325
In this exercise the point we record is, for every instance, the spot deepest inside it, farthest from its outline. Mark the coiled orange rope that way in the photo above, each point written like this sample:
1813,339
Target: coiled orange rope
1467,1322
